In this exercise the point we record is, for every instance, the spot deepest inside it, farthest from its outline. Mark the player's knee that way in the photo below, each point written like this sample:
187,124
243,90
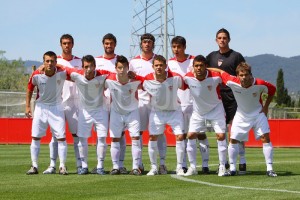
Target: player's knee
202,136
265,138
220,136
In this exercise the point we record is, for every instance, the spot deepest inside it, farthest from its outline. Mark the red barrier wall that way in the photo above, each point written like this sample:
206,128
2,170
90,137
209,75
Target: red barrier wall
284,133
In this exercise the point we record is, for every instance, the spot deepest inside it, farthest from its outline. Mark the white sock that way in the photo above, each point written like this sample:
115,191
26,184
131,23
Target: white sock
141,145
233,150
136,153
162,148
101,151
115,154
204,150
53,151
83,152
268,153
180,146
122,150
62,152
76,151
242,151
222,151
184,163
35,151
192,152
152,151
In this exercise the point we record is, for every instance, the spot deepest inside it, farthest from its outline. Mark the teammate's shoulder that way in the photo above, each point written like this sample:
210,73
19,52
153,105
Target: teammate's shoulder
173,74
189,75
136,57
150,76
76,58
112,76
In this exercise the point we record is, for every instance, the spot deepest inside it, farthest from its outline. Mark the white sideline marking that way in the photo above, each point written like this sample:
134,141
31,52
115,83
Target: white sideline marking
229,186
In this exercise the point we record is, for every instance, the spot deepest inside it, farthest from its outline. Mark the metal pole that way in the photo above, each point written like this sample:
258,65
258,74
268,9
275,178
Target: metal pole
166,31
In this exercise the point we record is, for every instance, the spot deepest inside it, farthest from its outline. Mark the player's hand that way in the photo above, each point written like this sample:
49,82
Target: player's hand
131,74
28,112
265,110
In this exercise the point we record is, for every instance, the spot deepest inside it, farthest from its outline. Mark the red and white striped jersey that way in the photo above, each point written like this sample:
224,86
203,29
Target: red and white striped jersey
49,87
249,99
124,96
164,94
69,89
182,67
108,64
142,67
206,92
90,91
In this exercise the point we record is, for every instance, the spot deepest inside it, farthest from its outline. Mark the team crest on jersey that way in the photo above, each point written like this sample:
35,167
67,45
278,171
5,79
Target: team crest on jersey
171,87
130,91
254,94
97,85
209,87
58,82
220,61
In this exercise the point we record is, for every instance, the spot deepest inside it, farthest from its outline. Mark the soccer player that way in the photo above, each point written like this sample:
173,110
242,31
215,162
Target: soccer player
124,114
182,63
142,65
92,110
227,60
162,86
107,62
48,110
204,87
251,113
70,102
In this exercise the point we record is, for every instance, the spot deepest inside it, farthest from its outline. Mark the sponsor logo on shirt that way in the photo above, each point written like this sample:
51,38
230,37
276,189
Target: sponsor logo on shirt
254,94
209,87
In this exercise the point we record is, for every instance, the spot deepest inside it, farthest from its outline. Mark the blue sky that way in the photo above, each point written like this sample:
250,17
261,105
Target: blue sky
30,28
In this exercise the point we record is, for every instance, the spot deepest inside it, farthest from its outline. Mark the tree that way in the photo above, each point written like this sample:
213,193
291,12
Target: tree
280,88
298,105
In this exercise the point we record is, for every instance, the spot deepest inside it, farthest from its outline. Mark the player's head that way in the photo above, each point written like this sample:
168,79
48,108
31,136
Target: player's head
243,72
223,39
88,66
223,30
109,42
67,43
178,46
122,65
159,65
200,65
50,60
147,42
68,37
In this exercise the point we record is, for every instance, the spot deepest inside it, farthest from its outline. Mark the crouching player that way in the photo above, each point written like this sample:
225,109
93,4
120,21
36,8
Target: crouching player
251,113
207,105
124,113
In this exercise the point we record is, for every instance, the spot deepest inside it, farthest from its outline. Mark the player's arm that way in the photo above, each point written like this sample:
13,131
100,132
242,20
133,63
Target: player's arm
29,92
215,70
271,93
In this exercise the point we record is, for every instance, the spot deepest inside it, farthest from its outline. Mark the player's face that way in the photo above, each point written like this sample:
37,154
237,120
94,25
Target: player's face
66,46
147,46
89,69
245,78
199,69
159,67
49,62
178,49
122,69
109,46
222,40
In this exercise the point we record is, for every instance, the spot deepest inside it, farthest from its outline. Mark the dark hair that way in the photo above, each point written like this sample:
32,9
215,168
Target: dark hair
122,59
109,36
67,36
160,58
223,30
148,36
179,39
243,67
200,58
88,59
50,54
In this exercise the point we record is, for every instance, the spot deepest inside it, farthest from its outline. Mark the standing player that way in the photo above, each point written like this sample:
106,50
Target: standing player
124,114
92,110
48,110
142,65
251,113
204,87
227,60
162,86
182,64
107,62
70,102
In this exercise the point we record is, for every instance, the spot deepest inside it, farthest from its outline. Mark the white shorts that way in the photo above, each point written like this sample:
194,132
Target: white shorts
187,113
71,113
159,119
88,118
119,122
215,116
52,115
144,109
241,126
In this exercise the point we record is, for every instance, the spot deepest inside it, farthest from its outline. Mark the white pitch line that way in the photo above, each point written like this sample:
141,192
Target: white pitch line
229,186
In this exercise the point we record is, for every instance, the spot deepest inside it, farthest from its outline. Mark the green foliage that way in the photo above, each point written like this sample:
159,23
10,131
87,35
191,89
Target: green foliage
282,95
298,104
12,77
